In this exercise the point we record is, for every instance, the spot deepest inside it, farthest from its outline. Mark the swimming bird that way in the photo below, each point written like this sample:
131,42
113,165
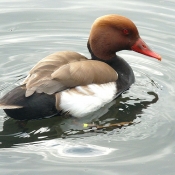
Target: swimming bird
68,82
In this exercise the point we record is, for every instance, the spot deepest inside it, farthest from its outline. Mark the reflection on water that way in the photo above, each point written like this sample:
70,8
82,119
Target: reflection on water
31,30
124,109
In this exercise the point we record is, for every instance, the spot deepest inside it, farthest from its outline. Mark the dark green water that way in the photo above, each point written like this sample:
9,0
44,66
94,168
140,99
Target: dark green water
31,30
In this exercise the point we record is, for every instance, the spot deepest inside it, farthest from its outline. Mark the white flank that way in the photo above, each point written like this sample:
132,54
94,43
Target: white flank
83,101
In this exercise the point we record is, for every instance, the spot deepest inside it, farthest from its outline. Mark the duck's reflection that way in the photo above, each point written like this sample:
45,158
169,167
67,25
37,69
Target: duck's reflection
121,110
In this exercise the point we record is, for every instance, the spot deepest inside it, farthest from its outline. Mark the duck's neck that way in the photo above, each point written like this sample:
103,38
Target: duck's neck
94,57
113,62
125,72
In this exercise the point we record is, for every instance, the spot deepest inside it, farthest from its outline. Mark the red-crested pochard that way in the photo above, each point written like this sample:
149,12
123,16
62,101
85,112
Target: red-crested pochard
68,82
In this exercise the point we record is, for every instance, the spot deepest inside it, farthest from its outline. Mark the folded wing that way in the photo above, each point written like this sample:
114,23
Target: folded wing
64,70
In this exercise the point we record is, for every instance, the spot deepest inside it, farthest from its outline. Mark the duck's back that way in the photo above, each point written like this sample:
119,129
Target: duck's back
39,78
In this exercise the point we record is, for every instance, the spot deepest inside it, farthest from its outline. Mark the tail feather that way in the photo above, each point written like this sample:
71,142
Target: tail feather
38,105
4,106
13,99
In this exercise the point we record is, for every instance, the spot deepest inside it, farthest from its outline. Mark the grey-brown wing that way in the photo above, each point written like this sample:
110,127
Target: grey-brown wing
83,73
40,79
52,75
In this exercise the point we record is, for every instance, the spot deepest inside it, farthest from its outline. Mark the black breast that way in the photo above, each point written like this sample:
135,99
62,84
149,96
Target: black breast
125,73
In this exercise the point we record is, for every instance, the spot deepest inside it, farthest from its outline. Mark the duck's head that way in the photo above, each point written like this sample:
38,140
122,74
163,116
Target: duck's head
112,33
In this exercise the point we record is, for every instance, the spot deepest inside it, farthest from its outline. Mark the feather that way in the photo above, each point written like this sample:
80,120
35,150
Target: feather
83,100
40,80
64,70
3,106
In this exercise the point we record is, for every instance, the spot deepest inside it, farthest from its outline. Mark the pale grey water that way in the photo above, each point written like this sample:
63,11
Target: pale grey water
31,30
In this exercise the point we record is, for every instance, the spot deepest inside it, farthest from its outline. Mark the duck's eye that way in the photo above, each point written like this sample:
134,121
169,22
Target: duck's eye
125,32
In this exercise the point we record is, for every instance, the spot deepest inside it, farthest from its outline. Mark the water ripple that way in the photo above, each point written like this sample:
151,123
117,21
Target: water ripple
29,34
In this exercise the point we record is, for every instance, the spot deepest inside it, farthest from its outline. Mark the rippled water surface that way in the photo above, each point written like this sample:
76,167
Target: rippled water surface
31,30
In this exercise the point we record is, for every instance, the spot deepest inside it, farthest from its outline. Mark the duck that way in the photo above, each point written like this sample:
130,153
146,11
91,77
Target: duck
66,82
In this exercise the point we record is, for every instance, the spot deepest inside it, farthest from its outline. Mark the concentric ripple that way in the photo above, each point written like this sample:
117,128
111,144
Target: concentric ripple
31,30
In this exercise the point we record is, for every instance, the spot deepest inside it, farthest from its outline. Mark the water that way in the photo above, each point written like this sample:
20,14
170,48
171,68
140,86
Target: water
31,30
